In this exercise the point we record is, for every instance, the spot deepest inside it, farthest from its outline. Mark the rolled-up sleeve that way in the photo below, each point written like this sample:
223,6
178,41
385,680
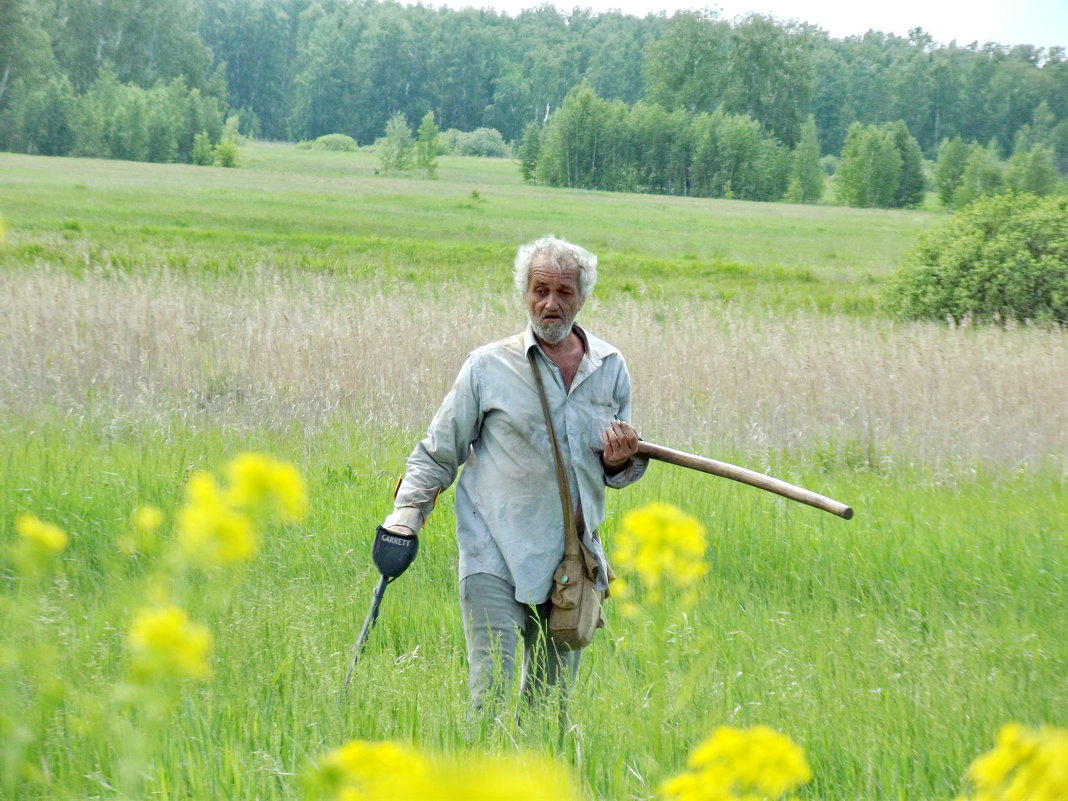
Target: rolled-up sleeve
637,465
634,470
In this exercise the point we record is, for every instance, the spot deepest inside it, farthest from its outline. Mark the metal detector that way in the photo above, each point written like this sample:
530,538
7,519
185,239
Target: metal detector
391,553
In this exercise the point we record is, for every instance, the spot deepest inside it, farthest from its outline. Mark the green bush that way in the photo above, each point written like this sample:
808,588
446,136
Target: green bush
1005,257
485,142
203,152
226,153
338,142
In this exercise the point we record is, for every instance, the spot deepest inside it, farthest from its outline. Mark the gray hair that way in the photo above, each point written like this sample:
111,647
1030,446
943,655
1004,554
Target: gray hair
560,253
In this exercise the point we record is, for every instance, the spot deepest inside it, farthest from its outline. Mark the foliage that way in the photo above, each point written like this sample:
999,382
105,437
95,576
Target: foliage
984,174
592,143
806,174
1005,257
685,67
143,43
949,169
226,152
396,149
335,142
426,146
203,152
299,69
528,150
1032,170
770,75
911,182
870,168
881,166
110,120
484,142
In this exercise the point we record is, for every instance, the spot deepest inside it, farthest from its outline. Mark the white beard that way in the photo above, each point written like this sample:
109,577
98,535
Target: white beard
553,333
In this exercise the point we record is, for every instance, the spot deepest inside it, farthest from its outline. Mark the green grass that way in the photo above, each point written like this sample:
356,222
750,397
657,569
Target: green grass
890,647
302,209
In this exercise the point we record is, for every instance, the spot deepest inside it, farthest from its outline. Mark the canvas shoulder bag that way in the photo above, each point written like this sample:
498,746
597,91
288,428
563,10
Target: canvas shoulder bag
575,612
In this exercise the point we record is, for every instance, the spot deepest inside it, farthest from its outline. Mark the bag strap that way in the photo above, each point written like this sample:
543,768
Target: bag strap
571,539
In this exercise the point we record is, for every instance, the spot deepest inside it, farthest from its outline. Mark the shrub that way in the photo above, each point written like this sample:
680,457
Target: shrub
336,141
1005,257
396,150
427,146
203,152
486,142
226,153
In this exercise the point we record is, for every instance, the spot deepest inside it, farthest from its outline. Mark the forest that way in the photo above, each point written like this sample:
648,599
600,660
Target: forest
727,108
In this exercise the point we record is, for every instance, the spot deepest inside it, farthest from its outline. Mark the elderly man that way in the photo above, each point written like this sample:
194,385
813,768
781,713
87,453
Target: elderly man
509,515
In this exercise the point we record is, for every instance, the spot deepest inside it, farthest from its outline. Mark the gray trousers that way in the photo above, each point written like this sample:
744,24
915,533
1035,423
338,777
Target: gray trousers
494,621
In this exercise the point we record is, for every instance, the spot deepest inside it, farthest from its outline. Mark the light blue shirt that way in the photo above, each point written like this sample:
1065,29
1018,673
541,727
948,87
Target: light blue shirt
509,521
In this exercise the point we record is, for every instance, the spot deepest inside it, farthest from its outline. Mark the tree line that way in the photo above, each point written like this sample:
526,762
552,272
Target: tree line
298,69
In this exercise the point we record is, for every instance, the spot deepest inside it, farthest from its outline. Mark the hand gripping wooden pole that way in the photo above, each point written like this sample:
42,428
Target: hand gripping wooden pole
750,477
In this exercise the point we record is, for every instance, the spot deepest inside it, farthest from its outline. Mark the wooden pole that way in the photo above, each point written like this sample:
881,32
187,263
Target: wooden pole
745,476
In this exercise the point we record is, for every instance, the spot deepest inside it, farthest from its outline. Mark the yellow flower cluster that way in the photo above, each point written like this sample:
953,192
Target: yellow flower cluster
211,530
361,771
164,644
261,482
1026,764
740,765
146,520
661,544
38,543
387,771
215,524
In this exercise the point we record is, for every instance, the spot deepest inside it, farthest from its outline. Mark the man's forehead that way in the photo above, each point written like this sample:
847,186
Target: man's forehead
544,268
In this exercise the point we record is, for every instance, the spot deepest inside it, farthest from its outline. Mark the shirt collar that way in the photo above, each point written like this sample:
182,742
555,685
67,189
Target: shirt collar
596,349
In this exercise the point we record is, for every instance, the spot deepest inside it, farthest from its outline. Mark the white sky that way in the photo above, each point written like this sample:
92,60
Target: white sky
1043,23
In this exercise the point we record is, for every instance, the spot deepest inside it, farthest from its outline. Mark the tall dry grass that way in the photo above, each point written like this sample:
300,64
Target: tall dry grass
301,350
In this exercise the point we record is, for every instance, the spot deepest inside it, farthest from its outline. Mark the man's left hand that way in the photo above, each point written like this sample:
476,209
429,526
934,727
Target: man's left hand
620,442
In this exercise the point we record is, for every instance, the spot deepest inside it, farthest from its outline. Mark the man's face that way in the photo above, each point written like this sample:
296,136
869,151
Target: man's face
553,299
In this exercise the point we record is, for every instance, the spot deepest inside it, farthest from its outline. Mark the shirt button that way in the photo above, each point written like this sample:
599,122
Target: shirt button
571,431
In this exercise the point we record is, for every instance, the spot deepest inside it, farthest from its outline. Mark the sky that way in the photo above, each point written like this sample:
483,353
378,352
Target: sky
1043,23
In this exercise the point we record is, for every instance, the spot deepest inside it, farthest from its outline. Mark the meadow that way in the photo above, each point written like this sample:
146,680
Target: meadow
159,319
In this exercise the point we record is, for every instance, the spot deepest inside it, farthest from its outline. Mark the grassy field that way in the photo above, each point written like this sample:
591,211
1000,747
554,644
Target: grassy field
305,210
159,319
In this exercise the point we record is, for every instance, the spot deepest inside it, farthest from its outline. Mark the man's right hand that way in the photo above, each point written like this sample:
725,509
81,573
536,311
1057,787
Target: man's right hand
393,550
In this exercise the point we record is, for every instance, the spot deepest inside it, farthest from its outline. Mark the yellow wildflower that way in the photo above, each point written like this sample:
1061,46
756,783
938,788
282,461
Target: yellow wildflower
694,787
164,644
622,594
38,543
522,777
367,771
1026,764
210,530
740,763
146,520
262,483
387,771
661,544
